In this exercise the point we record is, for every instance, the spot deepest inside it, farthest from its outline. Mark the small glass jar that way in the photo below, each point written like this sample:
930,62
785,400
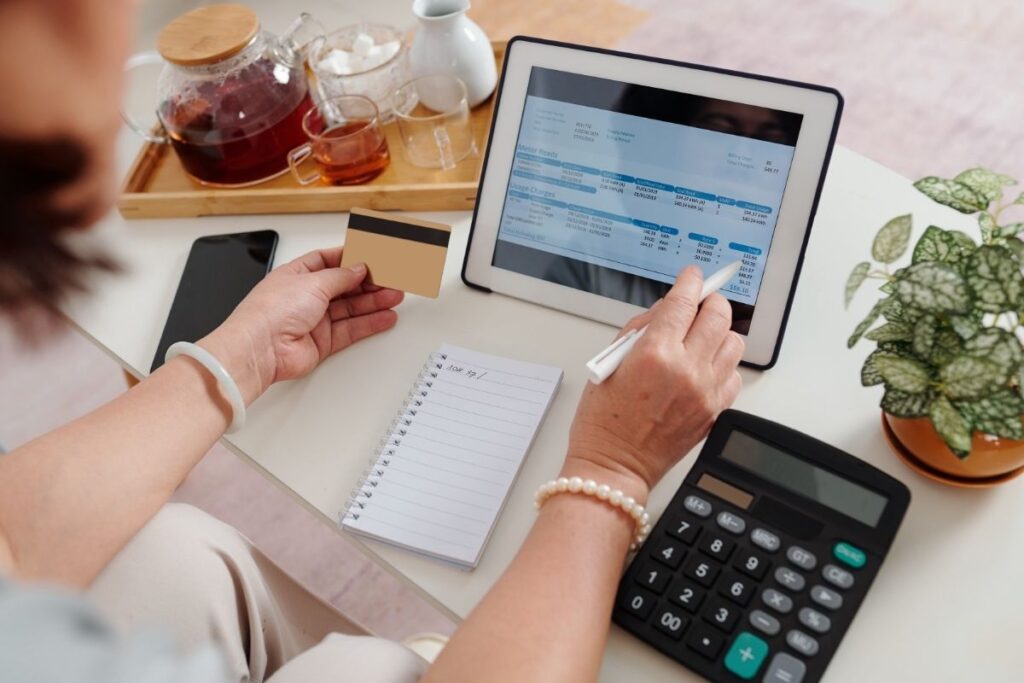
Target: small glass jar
363,59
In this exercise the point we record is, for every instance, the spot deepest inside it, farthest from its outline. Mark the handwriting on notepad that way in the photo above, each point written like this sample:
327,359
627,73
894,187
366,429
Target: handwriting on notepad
464,372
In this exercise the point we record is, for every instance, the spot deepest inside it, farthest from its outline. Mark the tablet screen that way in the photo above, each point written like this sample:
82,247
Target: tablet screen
615,187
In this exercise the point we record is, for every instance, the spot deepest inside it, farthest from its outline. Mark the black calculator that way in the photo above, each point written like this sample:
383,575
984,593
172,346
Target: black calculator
758,565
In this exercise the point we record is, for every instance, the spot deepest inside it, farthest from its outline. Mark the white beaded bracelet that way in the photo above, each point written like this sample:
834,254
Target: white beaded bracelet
224,380
613,497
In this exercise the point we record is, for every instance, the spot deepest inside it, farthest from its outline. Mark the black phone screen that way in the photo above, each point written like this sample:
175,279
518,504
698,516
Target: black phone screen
220,271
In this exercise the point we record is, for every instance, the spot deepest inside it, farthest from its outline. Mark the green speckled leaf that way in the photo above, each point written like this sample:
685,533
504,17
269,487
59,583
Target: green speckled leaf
923,335
892,240
953,194
895,311
856,279
869,375
1016,247
864,324
900,348
984,182
987,225
947,246
947,346
891,331
902,373
963,239
998,414
994,278
998,346
1019,199
933,287
968,376
902,404
1010,230
951,426
965,325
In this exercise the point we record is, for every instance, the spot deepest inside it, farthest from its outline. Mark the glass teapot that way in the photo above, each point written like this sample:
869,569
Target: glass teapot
231,96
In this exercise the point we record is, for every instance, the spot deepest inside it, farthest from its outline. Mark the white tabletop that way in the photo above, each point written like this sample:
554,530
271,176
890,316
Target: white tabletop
947,604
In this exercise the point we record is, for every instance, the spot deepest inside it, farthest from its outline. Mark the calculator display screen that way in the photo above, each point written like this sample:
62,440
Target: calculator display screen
799,476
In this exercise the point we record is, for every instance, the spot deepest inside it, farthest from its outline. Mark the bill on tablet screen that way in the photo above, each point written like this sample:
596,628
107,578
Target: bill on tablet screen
612,172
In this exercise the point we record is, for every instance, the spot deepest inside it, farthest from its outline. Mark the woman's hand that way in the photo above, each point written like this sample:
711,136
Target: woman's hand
664,397
300,314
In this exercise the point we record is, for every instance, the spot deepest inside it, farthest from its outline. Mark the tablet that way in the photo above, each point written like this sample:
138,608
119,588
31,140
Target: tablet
607,173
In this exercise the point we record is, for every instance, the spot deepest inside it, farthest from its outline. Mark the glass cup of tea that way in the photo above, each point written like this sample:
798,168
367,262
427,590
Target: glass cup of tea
433,119
346,142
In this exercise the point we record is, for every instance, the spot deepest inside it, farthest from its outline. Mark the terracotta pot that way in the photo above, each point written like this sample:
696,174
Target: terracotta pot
992,459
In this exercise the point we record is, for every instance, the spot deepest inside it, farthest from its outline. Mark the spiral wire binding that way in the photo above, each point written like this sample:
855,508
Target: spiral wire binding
376,466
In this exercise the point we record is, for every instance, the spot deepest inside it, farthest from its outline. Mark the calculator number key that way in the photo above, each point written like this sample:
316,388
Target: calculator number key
670,622
721,614
638,602
752,564
717,547
700,570
705,640
653,576
685,530
686,594
736,588
668,552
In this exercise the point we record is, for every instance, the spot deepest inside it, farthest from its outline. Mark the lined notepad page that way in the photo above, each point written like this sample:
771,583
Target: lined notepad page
449,459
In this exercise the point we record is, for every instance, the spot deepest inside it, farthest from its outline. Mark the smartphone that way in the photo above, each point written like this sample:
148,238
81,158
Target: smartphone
220,271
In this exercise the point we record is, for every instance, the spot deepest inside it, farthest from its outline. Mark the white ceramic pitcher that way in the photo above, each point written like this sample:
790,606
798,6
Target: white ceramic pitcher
449,42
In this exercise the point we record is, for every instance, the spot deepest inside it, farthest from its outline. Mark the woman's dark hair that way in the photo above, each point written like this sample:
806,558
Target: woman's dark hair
36,267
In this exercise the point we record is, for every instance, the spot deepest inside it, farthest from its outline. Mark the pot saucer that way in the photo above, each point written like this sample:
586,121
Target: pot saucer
925,470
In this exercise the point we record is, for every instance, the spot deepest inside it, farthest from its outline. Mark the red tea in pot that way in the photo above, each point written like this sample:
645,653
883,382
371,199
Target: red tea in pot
238,131
232,96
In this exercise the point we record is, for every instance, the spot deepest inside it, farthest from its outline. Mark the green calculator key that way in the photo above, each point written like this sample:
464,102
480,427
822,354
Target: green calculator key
849,554
746,655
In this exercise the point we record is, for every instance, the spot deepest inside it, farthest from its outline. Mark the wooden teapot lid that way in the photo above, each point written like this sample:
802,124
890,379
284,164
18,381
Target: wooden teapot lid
208,34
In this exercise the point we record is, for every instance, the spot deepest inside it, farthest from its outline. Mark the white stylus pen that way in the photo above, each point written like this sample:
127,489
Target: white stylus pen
605,363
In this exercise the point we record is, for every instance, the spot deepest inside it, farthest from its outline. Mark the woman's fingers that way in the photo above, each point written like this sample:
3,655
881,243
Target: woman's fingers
729,353
337,281
319,259
362,304
676,312
639,321
709,327
348,331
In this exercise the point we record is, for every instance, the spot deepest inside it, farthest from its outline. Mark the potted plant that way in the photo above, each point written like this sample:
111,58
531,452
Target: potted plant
948,330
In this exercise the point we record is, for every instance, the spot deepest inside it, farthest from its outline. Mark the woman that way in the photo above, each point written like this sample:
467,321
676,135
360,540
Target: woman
86,538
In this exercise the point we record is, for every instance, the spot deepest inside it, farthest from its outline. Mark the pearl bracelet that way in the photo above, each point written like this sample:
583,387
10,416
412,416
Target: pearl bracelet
613,497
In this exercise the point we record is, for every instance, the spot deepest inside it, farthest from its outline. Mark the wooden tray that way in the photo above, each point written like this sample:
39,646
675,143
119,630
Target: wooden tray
158,187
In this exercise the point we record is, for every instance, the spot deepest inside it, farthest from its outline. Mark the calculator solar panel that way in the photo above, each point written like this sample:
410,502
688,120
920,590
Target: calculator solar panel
760,561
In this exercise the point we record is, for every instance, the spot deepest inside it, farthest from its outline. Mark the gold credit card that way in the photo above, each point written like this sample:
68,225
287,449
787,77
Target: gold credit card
399,252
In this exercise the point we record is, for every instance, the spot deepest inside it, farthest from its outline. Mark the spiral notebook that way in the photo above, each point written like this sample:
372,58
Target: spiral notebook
447,462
